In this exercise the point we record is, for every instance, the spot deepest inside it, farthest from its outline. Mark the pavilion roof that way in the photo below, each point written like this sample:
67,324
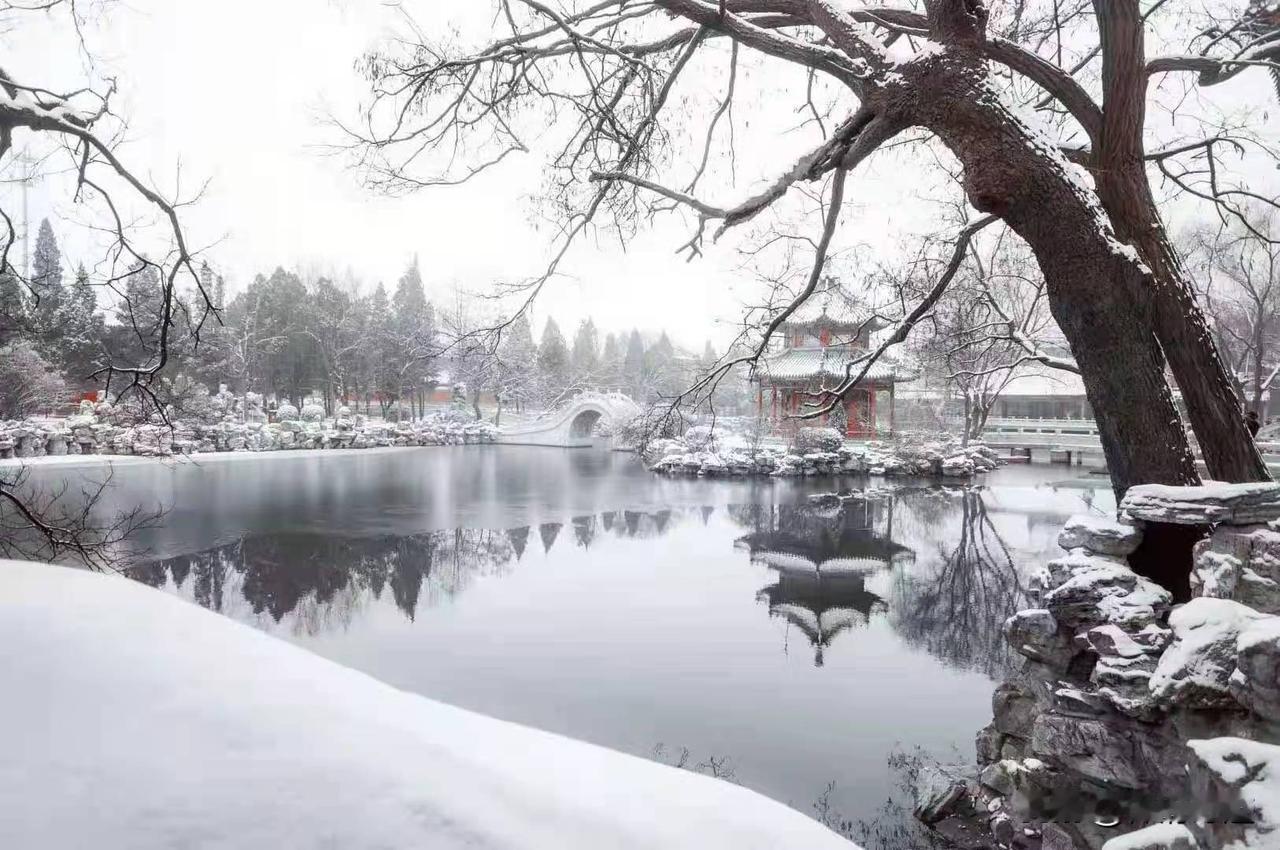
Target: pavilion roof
832,312
830,362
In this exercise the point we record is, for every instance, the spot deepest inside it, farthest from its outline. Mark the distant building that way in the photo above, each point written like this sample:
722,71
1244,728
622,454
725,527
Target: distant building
1045,394
818,353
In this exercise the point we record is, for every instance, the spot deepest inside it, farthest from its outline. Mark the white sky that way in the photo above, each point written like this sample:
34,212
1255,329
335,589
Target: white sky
234,92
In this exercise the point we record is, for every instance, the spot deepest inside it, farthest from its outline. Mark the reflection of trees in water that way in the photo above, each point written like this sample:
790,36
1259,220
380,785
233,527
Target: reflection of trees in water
323,580
956,607
823,559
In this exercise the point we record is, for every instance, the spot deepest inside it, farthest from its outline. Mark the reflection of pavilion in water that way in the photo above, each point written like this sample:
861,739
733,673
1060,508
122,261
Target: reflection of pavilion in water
823,558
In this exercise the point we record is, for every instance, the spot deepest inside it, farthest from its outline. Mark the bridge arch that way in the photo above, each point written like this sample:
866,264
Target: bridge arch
584,423
574,423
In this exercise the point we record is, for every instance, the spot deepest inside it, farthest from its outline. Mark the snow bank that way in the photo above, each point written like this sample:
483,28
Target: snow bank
134,719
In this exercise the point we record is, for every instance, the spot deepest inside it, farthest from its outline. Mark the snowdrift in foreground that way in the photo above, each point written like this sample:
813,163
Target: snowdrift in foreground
135,719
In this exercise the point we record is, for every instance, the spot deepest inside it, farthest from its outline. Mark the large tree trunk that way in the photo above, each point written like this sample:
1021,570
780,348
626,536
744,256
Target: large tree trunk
1212,404
1166,297
1089,276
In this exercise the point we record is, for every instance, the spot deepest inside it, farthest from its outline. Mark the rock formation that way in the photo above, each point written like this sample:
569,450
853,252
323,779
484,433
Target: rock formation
219,423
1137,724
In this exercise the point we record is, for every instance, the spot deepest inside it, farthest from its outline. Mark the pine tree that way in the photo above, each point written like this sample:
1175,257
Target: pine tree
50,294
518,360
659,366
413,328
83,332
633,365
611,361
586,352
553,358
384,382
13,308
410,297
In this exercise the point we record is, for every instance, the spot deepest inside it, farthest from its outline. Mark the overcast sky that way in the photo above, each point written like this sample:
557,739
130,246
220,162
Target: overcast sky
235,92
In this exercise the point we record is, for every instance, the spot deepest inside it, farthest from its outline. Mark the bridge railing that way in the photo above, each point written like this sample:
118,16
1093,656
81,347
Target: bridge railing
1075,434
1042,426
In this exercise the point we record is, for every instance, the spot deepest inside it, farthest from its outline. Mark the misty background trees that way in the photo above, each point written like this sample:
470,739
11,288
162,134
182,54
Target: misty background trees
387,350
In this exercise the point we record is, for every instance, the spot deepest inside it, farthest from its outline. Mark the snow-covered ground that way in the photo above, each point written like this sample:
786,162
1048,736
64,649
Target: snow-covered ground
131,718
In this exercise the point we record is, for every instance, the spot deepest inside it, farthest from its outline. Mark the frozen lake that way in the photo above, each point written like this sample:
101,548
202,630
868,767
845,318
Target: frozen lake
678,619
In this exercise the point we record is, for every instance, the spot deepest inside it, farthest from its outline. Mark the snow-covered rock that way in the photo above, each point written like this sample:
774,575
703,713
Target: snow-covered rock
1240,563
817,454
1196,670
1102,535
1238,504
90,435
1256,680
148,722
1245,776
1034,633
1102,591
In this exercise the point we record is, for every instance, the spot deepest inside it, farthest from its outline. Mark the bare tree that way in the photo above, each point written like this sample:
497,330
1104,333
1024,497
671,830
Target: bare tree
1242,293
62,523
953,71
991,325
73,137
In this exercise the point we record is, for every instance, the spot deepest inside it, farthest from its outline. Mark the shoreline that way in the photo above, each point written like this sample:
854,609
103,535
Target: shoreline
197,458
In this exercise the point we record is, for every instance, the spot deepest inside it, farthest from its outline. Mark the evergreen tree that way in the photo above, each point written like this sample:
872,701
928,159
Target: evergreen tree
413,329
385,383
659,367
633,366
518,360
611,361
410,297
553,358
50,294
83,332
13,307
136,338
586,352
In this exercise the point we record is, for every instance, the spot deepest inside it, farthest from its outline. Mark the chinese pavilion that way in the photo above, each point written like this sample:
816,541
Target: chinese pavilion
813,357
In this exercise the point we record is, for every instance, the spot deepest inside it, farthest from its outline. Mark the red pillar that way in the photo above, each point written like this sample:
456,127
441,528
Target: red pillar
871,404
893,418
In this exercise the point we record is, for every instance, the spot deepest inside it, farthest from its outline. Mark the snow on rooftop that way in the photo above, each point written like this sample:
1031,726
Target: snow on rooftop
139,720
1048,382
833,363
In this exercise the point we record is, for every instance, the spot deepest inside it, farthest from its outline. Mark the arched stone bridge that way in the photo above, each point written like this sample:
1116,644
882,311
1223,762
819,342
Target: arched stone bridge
572,424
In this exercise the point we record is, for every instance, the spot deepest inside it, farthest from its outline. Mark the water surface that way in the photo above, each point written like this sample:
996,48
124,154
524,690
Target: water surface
727,626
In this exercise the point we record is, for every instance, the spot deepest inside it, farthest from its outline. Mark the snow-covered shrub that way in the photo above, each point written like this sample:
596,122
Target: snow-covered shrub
312,412
286,413
28,383
816,440
701,438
